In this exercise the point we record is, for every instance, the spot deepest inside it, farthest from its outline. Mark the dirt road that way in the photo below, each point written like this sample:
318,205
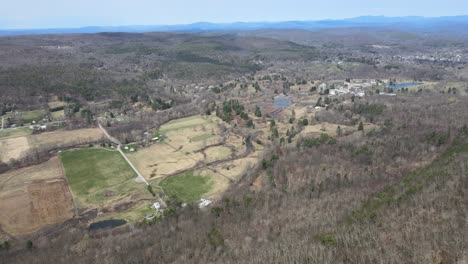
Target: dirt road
140,177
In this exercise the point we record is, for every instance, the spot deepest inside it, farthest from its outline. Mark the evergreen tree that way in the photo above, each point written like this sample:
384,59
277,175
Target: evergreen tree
361,126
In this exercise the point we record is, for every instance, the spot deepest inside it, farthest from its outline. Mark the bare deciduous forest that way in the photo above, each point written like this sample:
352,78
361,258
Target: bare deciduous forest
392,192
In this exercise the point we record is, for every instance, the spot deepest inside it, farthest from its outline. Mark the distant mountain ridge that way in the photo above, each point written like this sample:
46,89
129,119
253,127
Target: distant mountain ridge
408,23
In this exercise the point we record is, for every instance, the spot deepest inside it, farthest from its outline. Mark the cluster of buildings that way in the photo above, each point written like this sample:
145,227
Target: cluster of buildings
355,87
455,58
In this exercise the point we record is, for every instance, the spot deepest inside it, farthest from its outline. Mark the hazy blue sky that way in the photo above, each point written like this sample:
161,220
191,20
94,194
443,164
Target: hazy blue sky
78,13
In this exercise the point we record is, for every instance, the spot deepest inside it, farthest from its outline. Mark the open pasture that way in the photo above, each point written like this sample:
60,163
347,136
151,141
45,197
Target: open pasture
100,177
17,147
187,187
182,147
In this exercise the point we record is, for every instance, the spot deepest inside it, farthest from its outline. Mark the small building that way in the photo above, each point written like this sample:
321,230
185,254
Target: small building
150,217
204,203
323,86
132,150
156,206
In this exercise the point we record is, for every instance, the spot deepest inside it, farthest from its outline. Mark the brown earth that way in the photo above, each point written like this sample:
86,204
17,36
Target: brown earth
17,147
34,197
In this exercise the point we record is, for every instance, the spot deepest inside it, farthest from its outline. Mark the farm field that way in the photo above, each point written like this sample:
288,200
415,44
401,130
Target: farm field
63,138
188,144
55,104
217,153
34,197
17,147
180,149
13,148
35,115
100,178
15,132
187,187
58,115
326,128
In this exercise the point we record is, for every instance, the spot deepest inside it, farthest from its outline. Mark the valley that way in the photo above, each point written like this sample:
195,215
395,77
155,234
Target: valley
268,146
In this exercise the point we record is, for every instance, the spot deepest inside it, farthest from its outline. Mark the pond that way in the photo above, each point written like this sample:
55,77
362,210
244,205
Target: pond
282,101
107,224
403,85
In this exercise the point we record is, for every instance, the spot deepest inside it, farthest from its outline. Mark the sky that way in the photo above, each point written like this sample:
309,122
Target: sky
31,14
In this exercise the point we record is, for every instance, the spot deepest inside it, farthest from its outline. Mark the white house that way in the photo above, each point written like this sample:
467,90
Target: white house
204,203
156,206
323,86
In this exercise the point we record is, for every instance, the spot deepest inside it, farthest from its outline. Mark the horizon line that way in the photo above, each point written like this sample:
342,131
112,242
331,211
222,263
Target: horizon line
222,23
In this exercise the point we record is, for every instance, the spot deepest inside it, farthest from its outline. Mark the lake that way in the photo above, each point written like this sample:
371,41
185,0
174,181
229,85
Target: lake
107,224
403,85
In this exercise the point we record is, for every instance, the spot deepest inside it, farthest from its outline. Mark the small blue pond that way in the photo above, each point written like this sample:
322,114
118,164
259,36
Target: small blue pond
107,224
403,85
282,101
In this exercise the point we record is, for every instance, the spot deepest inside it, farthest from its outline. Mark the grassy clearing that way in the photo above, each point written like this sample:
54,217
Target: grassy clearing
58,115
35,115
187,187
218,153
15,132
202,137
98,176
184,123
134,214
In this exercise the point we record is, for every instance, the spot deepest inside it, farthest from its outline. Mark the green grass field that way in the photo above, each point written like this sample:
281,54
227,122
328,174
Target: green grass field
35,115
99,176
186,187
